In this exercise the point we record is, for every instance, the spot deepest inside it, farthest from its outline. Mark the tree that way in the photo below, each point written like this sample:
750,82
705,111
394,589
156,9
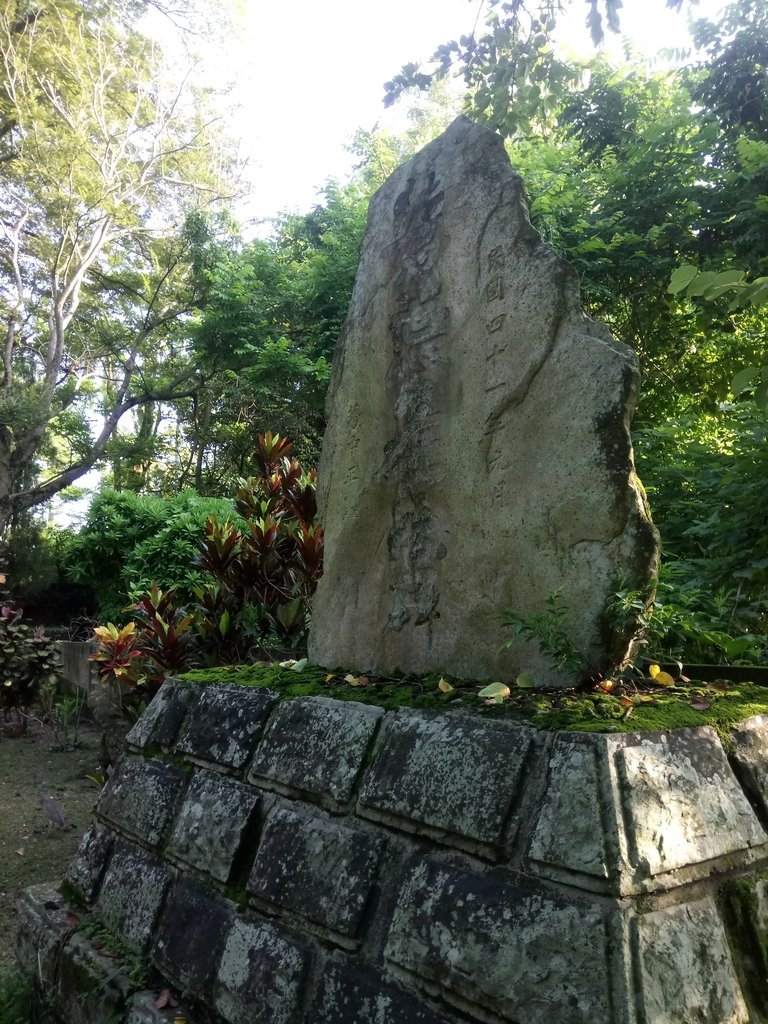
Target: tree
512,72
99,163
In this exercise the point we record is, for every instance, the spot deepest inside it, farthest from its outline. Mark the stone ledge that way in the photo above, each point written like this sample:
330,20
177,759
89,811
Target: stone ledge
451,775
140,798
132,893
162,720
499,940
45,922
142,1010
87,869
349,995
261,974
89,988
316,746
635,813
384,914
683,967
225,724
190,937
316,867
214,822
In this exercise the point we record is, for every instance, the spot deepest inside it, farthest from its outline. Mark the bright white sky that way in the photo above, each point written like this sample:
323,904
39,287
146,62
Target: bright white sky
310,73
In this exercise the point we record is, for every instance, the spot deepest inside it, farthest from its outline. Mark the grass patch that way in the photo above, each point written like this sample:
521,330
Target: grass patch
630,706
20,1000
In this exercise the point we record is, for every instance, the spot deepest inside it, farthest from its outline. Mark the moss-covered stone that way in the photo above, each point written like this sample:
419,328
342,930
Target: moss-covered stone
739,900
630,708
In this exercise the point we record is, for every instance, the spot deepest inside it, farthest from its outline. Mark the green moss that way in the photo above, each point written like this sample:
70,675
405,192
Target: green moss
650,709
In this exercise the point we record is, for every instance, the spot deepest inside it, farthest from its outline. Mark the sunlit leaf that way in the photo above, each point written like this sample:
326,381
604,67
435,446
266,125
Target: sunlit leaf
681,278
663,679
444,686
497,691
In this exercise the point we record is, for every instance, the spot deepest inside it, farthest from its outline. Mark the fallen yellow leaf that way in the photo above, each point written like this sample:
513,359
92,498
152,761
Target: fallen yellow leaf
444,686
663,679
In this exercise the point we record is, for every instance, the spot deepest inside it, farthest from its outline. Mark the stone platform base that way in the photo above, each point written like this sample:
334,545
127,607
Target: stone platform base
322,862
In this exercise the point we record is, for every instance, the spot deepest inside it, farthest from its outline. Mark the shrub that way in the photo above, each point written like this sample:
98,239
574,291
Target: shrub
256,577
705,476
28,661
130,541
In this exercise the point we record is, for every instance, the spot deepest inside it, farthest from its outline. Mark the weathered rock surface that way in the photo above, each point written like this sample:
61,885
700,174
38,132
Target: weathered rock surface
512,877
477,456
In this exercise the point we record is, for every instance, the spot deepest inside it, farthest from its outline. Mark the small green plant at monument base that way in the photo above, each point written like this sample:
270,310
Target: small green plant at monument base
682,624
548,629
134,967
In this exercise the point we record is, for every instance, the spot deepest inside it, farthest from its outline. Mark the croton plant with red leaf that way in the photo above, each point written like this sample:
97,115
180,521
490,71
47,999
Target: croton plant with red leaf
259,578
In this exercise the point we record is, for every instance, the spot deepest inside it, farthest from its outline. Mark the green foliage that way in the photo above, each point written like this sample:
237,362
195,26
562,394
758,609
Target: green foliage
256,581
273,312
130,541
549,631
134,967
710,285
33,557
28,660
705,476
20,1000
102,154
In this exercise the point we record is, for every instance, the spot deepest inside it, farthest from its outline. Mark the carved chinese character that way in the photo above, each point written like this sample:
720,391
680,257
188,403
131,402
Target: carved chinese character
495,289
496,259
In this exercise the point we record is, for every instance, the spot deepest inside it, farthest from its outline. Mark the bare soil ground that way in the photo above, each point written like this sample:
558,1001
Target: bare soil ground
31,848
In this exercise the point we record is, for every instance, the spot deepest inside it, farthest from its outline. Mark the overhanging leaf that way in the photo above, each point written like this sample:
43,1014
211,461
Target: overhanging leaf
681,278
743,379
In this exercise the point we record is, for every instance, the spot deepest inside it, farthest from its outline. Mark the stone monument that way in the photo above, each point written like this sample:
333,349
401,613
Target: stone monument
477,457
314,861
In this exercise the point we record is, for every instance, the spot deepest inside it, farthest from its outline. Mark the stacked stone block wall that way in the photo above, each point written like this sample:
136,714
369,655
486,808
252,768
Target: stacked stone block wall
323,862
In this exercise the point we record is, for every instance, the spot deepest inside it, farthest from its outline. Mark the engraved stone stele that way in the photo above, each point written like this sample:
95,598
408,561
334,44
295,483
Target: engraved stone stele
477,456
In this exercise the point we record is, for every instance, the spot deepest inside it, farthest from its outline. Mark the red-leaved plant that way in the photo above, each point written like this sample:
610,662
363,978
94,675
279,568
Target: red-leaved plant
255,601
